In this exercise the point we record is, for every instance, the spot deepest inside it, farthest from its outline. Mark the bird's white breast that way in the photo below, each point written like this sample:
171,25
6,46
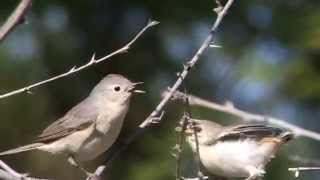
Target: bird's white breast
234,158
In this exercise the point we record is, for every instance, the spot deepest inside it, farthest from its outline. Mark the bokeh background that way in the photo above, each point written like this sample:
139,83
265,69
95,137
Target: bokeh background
269,64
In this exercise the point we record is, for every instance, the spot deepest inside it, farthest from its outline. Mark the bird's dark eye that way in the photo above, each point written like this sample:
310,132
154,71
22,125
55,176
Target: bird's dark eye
117,88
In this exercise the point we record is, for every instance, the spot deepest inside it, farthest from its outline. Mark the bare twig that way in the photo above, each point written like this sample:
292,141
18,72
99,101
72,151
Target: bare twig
197,153
246,116
186,119
179,145
189,65
15,18
186,69
7,173
297,170
195,134
91,62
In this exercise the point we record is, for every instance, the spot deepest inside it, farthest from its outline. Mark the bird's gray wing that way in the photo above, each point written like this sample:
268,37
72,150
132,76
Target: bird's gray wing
250,130
79,117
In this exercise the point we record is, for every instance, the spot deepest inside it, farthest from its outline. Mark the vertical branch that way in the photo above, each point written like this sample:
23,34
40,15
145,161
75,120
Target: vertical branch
179,146
186,120
197,153
15,18
188,117
183,124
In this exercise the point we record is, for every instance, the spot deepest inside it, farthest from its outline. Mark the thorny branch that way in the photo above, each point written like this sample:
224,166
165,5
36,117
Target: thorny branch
16,18
186,69
179,146
91,62
188,118
8,173
197,154
229,108
184,122
189,65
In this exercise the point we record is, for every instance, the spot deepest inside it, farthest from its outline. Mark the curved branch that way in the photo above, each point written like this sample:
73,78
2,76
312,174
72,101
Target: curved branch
91,62
246,116
15,18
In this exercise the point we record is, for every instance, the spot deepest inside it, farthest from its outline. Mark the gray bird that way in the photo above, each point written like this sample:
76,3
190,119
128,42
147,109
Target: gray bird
90,127
236,151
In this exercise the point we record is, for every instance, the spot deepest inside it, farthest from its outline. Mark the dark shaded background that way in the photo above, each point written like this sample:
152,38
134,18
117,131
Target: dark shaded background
269,64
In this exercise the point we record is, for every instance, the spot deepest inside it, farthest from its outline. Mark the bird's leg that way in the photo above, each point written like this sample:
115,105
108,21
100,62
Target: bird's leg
255,173
75,164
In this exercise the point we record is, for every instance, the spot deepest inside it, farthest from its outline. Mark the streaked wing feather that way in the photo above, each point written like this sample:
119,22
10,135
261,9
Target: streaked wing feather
256,131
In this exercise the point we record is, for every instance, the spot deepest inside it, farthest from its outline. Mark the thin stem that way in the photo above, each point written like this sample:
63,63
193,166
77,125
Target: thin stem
179,145
90,63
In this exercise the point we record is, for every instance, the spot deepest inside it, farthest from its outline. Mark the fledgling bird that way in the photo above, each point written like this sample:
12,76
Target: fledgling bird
236,151
90,127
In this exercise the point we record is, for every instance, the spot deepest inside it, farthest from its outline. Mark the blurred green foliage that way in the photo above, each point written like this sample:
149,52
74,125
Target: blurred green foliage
268,64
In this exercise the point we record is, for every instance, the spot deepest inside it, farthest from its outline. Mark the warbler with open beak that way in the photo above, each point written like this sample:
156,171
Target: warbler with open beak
240,150
89,128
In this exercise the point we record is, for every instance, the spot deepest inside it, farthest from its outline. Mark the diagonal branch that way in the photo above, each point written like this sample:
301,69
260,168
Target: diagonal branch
189,65
246,116
153,116
15,18
91,62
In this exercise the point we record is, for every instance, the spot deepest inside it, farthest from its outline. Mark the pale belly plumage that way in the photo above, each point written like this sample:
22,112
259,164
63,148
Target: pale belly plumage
89,143
104,134
235,158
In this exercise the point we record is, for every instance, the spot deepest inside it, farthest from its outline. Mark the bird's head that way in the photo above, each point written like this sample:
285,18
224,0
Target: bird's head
206,131
115,88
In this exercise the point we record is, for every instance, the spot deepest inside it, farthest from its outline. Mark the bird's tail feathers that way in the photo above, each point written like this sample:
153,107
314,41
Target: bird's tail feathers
21,149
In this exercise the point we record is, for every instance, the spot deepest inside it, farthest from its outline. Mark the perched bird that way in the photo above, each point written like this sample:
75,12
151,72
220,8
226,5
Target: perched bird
240,151
90,127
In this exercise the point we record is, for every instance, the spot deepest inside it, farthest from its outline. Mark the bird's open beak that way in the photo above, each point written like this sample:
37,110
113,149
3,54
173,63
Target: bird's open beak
134,90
